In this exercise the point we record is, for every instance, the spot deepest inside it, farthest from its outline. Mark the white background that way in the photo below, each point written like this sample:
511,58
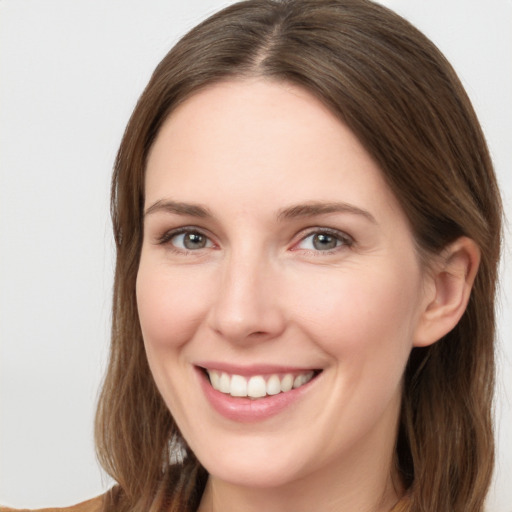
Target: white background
70,73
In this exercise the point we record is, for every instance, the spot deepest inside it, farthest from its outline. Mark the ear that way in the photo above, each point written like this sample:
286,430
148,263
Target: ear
450,281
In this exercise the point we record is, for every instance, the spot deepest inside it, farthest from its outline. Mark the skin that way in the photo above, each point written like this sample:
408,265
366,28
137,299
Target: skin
259,291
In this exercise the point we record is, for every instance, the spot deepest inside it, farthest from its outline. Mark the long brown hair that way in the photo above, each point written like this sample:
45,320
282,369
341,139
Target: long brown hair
404,102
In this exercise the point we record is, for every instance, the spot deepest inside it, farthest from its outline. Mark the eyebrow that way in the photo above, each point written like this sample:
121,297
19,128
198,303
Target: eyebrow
290,212
193,210
321,208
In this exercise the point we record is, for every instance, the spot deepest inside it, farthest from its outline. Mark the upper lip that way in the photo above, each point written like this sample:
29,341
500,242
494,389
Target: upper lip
253,369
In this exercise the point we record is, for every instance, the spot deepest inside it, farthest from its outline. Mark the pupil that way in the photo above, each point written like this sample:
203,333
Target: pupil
194,241
324,242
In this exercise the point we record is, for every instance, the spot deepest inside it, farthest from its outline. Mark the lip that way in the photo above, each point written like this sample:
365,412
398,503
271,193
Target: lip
248,410
253,369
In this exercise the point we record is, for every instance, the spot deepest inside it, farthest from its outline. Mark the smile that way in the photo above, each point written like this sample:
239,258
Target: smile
250,394
257,386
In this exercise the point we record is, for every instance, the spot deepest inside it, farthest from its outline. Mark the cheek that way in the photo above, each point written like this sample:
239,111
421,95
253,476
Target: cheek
362,317
170,305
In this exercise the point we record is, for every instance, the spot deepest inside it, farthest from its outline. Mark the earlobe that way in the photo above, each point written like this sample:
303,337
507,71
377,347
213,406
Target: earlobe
452,278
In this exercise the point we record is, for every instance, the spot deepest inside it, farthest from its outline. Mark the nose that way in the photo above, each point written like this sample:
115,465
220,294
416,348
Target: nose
246,307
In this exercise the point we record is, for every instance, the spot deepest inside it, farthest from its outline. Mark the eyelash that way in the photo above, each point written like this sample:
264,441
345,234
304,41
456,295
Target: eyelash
167,237
342,240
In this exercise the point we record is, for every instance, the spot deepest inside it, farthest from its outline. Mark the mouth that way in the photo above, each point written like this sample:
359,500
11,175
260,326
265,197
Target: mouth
258,386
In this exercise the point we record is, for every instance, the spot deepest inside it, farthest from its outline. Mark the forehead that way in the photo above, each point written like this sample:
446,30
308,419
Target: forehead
260,140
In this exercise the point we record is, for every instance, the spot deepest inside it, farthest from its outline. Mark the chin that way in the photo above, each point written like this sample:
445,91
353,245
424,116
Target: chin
248,474
256,466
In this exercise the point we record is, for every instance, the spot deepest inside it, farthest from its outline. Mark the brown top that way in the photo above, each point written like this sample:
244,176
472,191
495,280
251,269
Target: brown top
93,505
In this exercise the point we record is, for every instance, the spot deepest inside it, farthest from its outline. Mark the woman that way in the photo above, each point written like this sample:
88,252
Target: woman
308,228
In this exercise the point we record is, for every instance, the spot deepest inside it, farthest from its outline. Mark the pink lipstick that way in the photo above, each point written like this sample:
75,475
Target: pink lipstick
255,393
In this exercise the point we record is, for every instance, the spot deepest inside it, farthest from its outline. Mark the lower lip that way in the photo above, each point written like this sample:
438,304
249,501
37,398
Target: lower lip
247,410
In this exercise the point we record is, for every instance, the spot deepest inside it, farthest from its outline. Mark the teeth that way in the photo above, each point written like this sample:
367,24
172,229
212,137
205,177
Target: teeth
287,383
300,380
257,386
273,385
238,386
224,383
215,379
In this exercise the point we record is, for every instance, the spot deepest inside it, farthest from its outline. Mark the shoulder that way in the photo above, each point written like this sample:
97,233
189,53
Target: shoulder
92,505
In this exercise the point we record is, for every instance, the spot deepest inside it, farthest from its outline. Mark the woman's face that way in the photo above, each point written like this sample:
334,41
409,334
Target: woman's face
275,255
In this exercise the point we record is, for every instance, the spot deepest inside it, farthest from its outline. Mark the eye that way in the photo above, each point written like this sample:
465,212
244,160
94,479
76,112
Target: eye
187,240
324,241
